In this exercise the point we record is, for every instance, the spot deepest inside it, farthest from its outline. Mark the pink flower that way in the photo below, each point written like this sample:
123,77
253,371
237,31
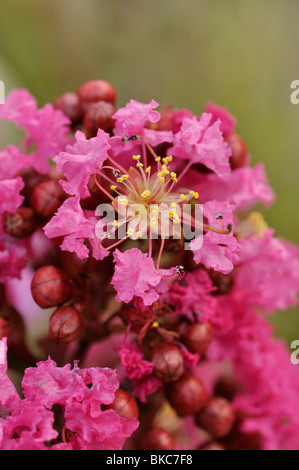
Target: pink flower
199,141
131,119
46,128
135,275
268,272
215,250
138,370
133,362
80,393
12,161
71,222
10,197
81,160
9,397
96,429
29,427
228,122
243,187
192,298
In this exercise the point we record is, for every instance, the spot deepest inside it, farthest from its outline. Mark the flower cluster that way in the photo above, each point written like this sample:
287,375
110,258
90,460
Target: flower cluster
138,229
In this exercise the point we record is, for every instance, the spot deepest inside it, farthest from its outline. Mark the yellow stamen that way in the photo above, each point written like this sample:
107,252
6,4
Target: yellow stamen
145,193
115,223
183,197
148,169
112,187
136,157
155,324
139,165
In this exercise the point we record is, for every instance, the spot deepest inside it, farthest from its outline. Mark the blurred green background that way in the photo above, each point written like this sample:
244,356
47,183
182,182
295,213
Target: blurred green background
239,54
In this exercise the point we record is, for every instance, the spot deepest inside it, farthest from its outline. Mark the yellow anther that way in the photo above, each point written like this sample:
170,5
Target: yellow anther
169,158
174,179
123,201
166,172
155,210
196,195
112,187
155,324
173,174
136,157
192,193
139,234
173,204
115,223
157,159
153,221
164,167
130,231
162,179
148,169
160,173
125,177
145,193
183,197
139,165
176,220
120,179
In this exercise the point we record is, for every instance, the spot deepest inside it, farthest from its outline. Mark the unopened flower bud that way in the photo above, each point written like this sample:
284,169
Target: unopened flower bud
197,336
4,328
157,439
217,417
124,404
239,151
168,362
226,387
69,104
99,116
21,224
65,325
188,395
50,286
93,91
212,446
47,197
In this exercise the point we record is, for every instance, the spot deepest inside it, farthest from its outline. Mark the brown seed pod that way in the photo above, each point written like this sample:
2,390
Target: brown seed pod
217,417
188,395
50,286
99,116
157,439
93,91
212,446
21,224
65,325
4,328
197,336
168,361
239,151
124,404
69,104
47,197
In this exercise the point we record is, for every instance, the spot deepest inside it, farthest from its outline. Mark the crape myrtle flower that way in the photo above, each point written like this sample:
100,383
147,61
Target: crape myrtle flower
128,179
177,313
76,395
